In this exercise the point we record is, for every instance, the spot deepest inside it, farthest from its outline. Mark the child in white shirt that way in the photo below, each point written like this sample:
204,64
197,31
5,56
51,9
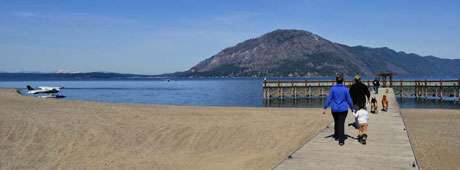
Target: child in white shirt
362,117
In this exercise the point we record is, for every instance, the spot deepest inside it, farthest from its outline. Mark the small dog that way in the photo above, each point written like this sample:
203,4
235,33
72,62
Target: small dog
374,106
384,103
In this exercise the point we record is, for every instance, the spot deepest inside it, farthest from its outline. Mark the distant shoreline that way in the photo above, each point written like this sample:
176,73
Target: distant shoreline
103,76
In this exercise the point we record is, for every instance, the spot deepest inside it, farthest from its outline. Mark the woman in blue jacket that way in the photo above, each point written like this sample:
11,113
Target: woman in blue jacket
339,100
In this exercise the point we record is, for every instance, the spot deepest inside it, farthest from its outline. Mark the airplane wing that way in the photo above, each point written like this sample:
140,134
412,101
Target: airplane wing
50,88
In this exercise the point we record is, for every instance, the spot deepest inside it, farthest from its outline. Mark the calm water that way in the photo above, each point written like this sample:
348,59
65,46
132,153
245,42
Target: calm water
203,92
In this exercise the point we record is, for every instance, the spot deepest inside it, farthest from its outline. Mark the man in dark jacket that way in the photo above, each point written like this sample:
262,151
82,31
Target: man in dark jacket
359,92
376,84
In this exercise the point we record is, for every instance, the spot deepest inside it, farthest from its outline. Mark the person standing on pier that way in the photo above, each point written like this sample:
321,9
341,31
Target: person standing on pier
376,84
359,93
339,100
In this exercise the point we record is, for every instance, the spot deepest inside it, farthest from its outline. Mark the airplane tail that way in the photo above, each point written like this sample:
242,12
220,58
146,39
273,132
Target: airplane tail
29,87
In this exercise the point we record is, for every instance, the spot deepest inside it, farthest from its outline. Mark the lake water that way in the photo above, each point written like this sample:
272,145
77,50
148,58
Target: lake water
197,92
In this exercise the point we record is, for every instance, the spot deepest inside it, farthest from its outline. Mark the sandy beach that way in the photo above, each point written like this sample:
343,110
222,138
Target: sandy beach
57,134
435,137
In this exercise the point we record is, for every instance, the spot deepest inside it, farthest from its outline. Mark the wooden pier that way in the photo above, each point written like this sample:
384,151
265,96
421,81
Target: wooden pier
294,89
388,145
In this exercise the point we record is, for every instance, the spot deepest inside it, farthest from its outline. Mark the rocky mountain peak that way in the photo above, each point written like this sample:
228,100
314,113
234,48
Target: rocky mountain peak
289,52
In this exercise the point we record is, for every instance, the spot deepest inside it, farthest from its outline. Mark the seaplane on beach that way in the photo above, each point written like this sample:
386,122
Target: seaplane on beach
52,92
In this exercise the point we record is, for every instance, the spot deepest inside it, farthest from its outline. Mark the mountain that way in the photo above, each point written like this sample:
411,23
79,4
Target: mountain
302,53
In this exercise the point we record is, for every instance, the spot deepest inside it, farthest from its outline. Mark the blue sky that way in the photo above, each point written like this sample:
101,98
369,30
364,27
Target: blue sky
153,37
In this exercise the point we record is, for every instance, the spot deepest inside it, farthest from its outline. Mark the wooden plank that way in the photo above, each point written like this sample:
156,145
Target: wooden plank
401,88
279,91
306,89
426,89
441,89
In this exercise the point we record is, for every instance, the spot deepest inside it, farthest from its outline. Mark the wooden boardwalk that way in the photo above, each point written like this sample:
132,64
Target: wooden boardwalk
388,145
297,89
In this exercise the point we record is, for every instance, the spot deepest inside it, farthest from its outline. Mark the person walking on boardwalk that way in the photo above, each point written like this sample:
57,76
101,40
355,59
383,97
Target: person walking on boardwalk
362,117
359,93
376,84
339,100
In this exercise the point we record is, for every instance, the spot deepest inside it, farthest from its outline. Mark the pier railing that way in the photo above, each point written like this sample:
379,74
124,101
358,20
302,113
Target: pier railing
280,89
